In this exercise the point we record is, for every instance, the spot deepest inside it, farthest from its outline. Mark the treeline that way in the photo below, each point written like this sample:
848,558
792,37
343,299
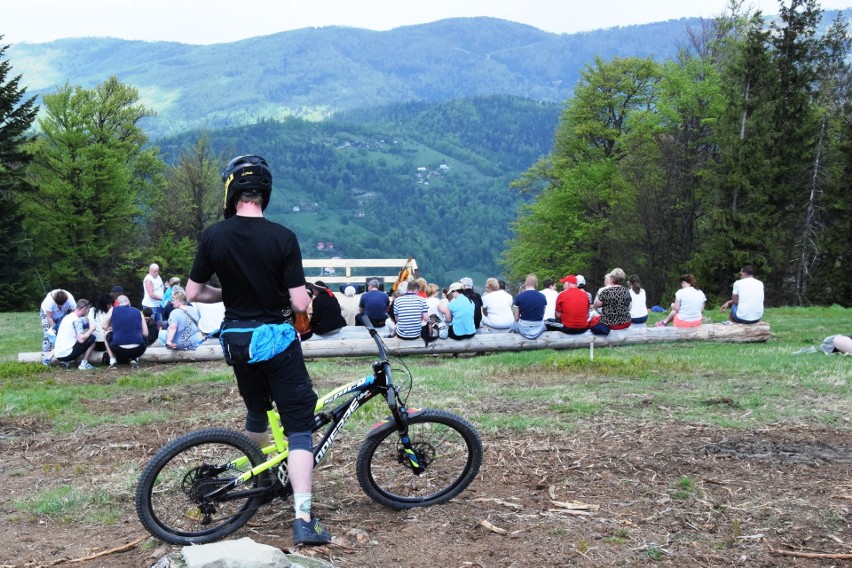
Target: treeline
735,152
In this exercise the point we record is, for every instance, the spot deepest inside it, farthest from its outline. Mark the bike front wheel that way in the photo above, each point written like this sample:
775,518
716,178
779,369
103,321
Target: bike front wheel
174,498
448,448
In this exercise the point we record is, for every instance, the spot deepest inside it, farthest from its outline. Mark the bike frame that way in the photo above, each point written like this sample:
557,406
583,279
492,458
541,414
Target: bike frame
361,391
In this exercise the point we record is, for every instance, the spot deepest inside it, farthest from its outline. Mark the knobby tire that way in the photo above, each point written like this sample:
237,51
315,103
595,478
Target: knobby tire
450,448
170,491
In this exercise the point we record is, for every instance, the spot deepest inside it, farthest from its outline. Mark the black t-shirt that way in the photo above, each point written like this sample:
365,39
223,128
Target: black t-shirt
326,315
257,262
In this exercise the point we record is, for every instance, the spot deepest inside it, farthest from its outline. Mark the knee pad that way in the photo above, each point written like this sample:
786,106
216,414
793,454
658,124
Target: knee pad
300,441
256,421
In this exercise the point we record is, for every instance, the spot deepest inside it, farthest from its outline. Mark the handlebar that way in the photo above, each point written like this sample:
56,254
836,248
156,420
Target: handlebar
383,356
365,321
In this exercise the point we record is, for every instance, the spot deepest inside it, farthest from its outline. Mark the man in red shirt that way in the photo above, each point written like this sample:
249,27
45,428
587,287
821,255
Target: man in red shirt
572,307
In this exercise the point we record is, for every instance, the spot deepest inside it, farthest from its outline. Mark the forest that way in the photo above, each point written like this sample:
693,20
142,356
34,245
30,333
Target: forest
733,151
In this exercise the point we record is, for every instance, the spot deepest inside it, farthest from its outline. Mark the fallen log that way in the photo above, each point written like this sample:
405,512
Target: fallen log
355,341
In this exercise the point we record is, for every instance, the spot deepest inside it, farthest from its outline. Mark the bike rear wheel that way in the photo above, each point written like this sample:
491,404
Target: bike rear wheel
171,496
447,445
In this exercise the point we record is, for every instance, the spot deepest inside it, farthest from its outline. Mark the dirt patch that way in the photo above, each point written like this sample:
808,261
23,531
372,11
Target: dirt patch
806,453
612,492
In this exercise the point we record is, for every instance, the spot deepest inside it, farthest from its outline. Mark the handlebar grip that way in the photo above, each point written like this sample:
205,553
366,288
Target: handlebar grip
365,321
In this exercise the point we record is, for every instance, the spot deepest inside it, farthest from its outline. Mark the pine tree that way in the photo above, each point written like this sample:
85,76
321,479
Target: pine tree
94,173
741,224
825,221
797,52
17,284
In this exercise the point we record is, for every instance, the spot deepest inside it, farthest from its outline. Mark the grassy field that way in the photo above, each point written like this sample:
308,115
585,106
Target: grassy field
737,385
73,443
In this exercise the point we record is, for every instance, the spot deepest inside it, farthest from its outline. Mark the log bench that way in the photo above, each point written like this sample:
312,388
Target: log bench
355,341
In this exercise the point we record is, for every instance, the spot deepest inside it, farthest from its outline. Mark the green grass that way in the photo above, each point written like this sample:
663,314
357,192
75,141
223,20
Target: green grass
69,504
730,385
684,488
19,332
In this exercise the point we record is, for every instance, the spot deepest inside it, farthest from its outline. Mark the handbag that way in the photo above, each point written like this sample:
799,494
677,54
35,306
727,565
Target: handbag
302,323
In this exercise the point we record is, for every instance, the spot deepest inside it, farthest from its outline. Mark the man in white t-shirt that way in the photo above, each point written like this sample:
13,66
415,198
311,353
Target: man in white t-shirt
75,338
550,293
53,308
746,302
153,290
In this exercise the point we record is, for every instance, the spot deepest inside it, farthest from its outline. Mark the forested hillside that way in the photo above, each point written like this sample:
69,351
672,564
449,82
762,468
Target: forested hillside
423,180
314,73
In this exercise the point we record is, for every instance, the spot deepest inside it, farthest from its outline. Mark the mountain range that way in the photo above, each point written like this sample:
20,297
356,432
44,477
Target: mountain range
313,73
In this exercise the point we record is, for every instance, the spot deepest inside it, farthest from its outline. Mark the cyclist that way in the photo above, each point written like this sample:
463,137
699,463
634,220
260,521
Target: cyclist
259,267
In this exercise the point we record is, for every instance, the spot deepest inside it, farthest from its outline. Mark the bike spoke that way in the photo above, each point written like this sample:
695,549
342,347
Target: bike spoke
448,451
178,500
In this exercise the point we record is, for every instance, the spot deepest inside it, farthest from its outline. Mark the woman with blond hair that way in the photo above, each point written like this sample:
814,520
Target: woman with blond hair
183,332
688,304
433,300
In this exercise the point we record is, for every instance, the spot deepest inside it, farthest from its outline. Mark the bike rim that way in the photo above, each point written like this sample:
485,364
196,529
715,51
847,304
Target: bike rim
175,495
448,458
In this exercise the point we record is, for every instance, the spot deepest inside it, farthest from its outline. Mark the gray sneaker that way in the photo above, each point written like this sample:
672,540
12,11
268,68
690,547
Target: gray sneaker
86,366
134,363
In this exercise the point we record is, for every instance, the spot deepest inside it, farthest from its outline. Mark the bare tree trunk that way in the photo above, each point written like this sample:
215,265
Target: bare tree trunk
742,141
807,246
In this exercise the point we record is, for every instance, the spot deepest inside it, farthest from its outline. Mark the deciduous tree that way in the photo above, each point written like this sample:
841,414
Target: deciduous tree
581,198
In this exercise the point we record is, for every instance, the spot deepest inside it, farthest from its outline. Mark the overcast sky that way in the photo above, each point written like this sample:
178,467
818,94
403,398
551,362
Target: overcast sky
222,21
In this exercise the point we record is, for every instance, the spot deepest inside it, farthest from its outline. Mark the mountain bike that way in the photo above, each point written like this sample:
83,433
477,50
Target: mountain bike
206,484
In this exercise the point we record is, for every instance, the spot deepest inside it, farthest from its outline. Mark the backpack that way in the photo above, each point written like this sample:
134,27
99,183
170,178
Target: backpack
435,329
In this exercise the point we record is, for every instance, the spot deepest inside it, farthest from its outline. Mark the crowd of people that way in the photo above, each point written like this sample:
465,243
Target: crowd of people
122,332
73,330
621,302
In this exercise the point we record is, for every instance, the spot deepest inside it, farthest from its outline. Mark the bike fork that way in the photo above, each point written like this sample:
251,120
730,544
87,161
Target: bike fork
400,415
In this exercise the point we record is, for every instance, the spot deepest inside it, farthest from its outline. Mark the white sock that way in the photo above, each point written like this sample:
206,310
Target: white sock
113,361
302,505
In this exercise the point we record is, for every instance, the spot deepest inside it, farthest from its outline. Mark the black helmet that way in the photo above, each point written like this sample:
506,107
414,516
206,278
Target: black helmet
246,174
